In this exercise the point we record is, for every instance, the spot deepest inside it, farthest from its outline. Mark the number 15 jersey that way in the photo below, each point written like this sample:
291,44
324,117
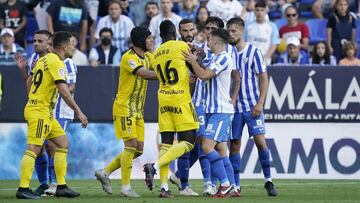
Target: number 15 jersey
173,74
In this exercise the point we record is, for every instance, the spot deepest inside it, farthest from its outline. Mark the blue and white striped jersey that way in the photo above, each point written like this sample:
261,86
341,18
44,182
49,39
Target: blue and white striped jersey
32,62
250,64
198,97
217,89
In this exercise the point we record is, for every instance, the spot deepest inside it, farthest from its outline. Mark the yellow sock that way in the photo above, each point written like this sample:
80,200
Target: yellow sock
26,168
137,154
113,165
164,169
126,163
60,165
175,151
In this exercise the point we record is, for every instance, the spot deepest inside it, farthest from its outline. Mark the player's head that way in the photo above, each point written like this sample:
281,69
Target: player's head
218,38
211,24
167,31
186,30
50,43
141,37
41,41
235,28
63,44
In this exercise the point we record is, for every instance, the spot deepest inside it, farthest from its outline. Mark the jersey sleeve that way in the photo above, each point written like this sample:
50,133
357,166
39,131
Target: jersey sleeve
259,65
221,63
132,63
57,71
71,74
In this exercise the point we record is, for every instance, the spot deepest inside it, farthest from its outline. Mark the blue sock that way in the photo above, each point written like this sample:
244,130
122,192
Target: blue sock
205,165
229,170
235,161
182,172
41,168
217,166
264,157
194,155
51,169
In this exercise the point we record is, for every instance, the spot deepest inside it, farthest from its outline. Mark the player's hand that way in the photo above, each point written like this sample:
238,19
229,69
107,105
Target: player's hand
200,53
256,111
83,119
189,57
20,61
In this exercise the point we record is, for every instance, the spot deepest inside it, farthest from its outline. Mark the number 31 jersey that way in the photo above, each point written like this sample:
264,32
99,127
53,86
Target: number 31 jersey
172,72
49,71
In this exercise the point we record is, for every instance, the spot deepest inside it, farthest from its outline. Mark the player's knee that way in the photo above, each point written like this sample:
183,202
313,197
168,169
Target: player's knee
235,146
131,143
206,148
260,142
34,148
64,144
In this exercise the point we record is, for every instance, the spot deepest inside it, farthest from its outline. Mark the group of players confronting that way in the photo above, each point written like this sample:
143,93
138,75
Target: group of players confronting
207,93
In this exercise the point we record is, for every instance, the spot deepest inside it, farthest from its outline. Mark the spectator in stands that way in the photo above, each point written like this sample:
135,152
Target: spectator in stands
8,48
295,28
120,25
261,33
323,8
92,7
349,49
340,27
105,53
125,8
13,14
165,14
224,9
293,55
151,9
78,57
202,15
248,14
186,9
321,55
39,8
68,15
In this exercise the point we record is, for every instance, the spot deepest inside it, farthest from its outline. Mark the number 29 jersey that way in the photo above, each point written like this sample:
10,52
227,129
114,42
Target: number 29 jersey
173,74
49,71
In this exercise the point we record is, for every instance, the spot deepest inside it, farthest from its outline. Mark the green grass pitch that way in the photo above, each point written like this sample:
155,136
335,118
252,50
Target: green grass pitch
290,191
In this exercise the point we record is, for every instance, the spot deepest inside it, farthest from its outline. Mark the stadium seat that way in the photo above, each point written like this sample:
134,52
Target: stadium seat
317,29
280,22
305,7
31,27
274,14
357,38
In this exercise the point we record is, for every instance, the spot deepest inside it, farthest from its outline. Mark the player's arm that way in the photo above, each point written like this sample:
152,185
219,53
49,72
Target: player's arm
71,88
21,64
146,74
235,76
66,95
28,83
263,83
203,74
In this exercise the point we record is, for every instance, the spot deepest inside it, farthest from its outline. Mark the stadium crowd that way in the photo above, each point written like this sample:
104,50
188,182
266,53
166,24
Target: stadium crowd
287,32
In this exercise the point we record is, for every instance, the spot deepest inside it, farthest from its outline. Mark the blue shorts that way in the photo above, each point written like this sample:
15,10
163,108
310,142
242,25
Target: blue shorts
200,111
218,126
256,126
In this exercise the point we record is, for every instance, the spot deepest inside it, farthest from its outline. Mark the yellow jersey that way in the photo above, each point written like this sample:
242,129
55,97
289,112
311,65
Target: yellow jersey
48,71
172,72
131,94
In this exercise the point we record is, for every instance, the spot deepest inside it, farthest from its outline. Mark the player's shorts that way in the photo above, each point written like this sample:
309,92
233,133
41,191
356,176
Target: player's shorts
127,128
218,126
256,126
200,111
177,118
40,129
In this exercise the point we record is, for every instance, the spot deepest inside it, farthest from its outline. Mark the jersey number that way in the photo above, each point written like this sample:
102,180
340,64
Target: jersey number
171,74
37,80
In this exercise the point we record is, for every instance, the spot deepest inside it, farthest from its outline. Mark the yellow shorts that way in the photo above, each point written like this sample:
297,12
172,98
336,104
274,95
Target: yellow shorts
41,129
177,118
127,128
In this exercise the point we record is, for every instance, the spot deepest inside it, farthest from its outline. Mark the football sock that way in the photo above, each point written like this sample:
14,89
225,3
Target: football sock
164,169
41,168
175,151
51,171
194,155
60,164
26,168
205,165
229,170
264,157
114,164
235,161
183,164
217,166
126,163
137,154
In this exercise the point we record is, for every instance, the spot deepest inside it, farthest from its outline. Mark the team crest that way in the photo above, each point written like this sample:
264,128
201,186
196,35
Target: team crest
132,64
61,72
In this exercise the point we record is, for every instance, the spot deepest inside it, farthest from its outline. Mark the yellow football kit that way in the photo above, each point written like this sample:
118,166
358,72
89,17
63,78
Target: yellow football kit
128,108
176,110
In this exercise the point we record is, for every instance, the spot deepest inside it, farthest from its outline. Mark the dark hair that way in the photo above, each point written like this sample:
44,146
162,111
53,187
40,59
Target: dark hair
185,21
215,20
60,38
43,32
236,21
106,29
316,58
222,34
291,6
111,2
335,9
151,3
197,14
260,4
167,30
138,36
